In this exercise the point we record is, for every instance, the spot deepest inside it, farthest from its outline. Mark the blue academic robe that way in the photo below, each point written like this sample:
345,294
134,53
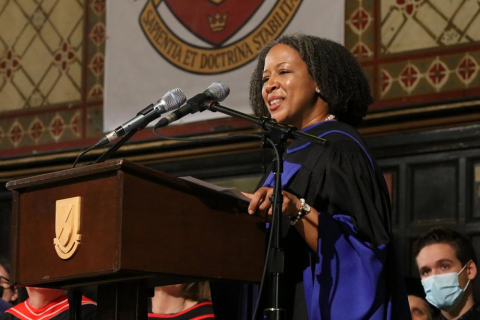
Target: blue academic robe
354,274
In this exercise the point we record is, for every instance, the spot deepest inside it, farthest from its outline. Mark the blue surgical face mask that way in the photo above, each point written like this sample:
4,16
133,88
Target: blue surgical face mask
443,290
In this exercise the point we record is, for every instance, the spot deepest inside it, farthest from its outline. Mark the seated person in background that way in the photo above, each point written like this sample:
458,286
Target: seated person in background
51,304
419,307
447,264
4,305
8,293
182,302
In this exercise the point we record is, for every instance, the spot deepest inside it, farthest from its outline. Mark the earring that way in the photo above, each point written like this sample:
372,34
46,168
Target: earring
317,90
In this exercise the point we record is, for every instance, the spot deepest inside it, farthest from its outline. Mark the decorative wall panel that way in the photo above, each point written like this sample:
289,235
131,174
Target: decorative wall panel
417,52
51,73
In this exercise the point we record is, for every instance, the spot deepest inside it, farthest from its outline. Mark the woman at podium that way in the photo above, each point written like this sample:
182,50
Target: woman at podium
339,259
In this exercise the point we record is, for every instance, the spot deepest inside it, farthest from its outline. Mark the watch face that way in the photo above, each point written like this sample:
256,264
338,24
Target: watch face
306,207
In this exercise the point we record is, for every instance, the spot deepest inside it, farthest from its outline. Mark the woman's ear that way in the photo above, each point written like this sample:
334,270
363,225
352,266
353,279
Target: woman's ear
15,294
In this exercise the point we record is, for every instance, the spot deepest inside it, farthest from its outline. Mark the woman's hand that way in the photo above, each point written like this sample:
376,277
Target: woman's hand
307,227
261,202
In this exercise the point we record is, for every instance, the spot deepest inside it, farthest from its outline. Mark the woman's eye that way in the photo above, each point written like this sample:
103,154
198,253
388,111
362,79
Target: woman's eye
444,266
418,312
264,80
284,71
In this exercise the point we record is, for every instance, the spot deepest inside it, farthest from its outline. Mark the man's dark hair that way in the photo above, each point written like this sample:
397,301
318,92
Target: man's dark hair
336,72
462,245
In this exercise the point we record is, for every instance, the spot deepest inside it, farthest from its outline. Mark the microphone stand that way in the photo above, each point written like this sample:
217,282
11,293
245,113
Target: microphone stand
118,131
276,256
115,147
126,137
266,123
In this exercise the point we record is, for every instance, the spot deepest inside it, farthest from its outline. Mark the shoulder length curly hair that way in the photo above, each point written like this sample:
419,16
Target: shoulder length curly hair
337,73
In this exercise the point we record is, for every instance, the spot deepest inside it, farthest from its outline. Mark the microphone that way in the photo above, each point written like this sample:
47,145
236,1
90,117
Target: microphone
172,100
216,92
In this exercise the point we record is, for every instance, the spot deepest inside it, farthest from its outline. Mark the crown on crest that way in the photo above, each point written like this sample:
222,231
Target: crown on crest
217,22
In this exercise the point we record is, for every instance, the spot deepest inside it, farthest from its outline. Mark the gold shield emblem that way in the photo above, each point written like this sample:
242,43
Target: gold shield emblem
67,226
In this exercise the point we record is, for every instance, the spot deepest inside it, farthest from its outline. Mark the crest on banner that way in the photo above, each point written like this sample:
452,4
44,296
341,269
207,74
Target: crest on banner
214,22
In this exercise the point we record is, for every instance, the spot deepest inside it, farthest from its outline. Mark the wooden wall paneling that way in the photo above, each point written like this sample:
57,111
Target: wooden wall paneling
474,177
463,195
5,220
436,183
433,194
475,237
400,231
227,165
391,177
412,269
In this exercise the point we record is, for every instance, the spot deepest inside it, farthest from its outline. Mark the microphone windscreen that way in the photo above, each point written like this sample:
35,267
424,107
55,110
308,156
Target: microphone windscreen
174,99
218,91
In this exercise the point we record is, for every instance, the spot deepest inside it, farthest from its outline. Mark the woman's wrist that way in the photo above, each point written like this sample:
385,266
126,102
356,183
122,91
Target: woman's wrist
302,211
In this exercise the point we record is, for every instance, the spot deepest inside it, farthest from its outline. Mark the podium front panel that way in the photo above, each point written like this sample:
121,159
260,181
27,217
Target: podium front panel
37,260
134,223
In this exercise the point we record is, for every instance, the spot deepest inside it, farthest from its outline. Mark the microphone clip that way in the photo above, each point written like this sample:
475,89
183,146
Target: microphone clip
198,103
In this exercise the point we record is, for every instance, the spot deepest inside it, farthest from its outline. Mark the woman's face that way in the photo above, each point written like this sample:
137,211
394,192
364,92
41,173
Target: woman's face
289,91
419,308
9,292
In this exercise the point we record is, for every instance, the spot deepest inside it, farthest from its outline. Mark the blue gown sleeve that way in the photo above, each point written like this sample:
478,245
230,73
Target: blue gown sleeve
353,275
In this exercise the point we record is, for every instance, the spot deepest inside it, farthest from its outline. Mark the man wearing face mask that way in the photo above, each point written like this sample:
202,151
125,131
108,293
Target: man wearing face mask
447,264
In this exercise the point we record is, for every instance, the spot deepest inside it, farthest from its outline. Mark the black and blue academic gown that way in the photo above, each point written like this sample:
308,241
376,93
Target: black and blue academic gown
354,274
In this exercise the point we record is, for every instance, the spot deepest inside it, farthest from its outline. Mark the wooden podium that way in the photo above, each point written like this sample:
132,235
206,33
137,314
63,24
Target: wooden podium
127,225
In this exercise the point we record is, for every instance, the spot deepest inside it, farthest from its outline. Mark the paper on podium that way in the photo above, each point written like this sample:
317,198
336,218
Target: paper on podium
230,191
